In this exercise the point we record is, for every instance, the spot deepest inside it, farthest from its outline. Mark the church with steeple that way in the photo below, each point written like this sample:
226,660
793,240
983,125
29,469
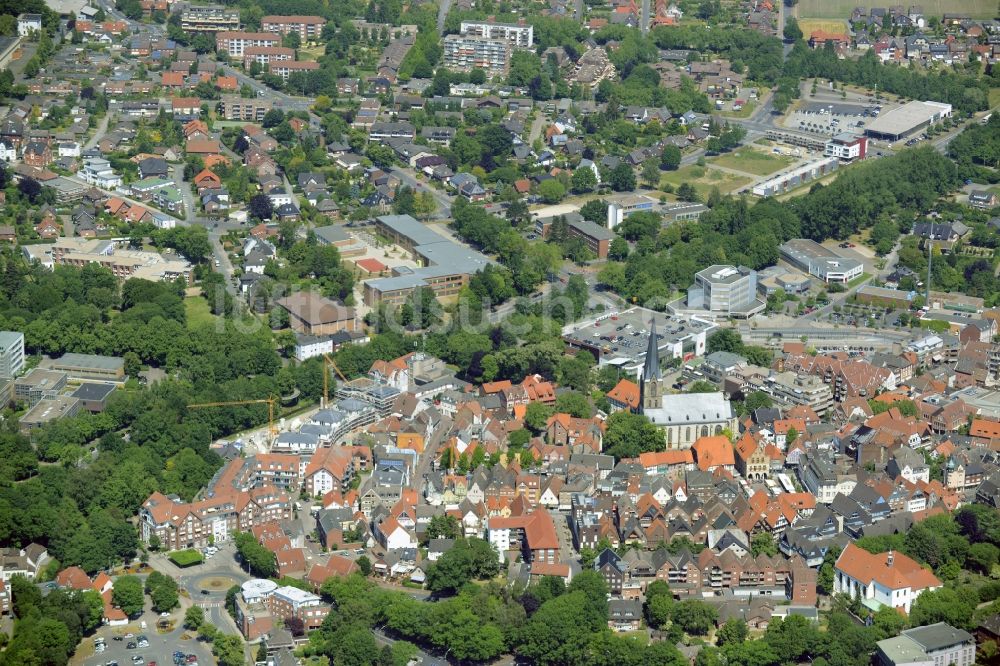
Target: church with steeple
683,417
651,380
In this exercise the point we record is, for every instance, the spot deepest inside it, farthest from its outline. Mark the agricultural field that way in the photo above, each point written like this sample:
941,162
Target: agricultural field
756,162
811,25
842,8
704,179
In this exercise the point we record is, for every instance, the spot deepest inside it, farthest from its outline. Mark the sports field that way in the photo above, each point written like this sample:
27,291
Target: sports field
842,9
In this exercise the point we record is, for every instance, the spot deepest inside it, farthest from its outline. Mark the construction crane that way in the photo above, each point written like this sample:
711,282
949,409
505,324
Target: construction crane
328,361
233,403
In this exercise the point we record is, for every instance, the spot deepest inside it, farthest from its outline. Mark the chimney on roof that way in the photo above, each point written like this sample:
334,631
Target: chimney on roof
888,560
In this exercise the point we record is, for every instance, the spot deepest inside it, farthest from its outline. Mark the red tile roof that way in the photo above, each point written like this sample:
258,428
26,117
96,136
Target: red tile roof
892,570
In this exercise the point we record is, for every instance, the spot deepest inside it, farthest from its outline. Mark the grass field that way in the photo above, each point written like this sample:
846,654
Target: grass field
185,558
811,25
842,8
753,161
198,313
994,98
704,179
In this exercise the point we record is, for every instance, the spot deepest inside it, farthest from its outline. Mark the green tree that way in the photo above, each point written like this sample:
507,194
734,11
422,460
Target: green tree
792,32
364,565
763,543
194,617
670,158
733,632
695,617
584,180
659,610
443,527
536,416
127,595
651,172
551,191
622,178
627,435
228,649
573,403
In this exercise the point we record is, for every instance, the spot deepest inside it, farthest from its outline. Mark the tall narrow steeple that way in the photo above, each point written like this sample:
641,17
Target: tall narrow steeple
651,381
651,370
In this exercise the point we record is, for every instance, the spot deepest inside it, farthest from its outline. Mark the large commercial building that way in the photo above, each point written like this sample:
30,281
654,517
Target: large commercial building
522,36
252,109
621,338
466,52
814,259
209,19
789,180
235,42
907,120
11,354
308,28
446,264
726,290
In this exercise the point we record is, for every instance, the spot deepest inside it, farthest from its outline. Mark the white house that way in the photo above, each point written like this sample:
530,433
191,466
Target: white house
69,149
8,153
28,23
308,346
98,172
881,579
394,536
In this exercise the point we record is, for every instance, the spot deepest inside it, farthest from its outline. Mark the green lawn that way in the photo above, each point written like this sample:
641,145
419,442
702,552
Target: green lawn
864,277
753,161
198,313
994,98
841,9
185,558
704,179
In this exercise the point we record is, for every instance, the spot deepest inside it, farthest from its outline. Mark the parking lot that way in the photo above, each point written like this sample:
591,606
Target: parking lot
830,118
159,651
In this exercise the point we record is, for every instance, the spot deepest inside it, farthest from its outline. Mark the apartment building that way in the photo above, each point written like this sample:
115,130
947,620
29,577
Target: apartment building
468,51
210,19
285,68
308,28
235,42
265,55
520,34
11,354
288,601
252,109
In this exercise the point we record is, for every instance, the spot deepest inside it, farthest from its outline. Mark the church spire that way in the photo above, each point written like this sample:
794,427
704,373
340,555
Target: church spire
651,370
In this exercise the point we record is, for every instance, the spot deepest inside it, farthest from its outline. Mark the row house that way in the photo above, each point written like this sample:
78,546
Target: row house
533,534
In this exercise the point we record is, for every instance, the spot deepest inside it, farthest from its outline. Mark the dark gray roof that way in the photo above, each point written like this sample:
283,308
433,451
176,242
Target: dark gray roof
93,391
